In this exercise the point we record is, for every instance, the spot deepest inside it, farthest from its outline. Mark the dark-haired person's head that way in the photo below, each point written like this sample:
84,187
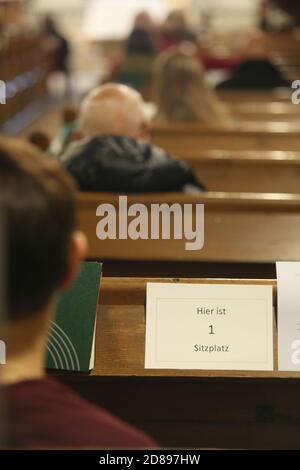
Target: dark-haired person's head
140,42
40,140
44,248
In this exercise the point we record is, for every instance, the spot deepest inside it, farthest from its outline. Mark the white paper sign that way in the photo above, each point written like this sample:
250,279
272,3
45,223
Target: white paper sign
288,294
217,327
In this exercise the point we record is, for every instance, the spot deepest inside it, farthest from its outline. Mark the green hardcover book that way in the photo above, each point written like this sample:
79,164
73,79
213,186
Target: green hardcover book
71,344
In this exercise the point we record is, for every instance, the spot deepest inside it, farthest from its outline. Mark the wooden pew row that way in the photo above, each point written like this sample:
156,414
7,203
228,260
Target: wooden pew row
242,171
198,409
245,117
189,139
24,68
265,112
285,41
292,72
286,49
282,95
257,106
244,235
269,108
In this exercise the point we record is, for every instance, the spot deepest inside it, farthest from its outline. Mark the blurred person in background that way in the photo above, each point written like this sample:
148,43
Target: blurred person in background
135,66
59,44
40,140
273,19
58,48
264,11
182,93
143,20
257,69
68,133
175,30
114,155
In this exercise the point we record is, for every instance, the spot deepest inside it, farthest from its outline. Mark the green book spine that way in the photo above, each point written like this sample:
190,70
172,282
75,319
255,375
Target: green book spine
71,339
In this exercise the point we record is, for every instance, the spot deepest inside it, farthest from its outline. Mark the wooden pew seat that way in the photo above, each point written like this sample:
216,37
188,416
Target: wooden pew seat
201,409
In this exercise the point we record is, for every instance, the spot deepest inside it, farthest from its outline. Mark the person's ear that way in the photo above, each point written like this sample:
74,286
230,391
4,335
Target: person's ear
144,131
77,253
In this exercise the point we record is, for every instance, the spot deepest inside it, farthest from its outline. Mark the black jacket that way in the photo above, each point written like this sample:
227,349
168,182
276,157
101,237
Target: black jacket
255,74
122,165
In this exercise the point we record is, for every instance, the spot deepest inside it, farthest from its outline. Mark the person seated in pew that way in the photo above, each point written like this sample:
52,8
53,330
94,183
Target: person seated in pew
175,30
58,44
68,133
40,140
114,155
182,94
256,70
44,252
135,66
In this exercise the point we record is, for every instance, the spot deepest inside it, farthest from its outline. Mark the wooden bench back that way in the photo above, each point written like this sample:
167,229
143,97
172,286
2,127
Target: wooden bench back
243,171
249,228
190,139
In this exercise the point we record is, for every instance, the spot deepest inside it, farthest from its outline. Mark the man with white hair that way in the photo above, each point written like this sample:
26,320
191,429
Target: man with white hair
113,157
114,109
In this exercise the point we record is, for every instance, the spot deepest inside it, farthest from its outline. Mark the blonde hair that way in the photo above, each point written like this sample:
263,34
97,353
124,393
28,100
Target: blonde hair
182,94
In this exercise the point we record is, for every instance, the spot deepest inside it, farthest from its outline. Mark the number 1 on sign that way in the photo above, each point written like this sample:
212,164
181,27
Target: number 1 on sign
211,330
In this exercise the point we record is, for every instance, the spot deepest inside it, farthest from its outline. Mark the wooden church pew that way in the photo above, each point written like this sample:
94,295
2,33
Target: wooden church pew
265,112
242,171
244,117
245,234
255,96
24,67
188,139
200,409
285,47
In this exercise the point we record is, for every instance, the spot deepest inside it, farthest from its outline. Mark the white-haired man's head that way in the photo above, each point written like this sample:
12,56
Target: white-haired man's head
113,109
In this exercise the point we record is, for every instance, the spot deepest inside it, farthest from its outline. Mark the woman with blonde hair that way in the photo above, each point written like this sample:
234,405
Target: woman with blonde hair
182,94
